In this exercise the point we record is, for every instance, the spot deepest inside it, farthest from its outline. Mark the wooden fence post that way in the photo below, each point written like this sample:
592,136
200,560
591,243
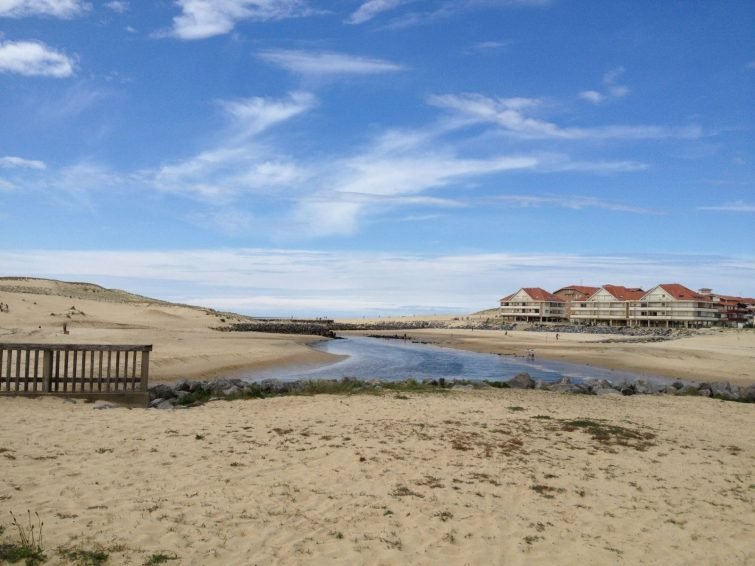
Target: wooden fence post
46,371
145,370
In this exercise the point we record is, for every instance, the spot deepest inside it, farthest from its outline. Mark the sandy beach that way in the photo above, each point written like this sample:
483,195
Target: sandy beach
466,477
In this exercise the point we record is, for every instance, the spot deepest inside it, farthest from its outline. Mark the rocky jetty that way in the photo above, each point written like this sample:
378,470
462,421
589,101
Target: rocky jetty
186,393
282,327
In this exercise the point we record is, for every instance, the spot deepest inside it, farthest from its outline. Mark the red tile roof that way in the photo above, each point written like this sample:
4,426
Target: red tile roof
624,293
680,292
538,294
584,289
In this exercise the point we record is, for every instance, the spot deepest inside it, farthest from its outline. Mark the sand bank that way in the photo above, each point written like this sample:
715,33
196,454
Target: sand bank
715,355
467,477
185,344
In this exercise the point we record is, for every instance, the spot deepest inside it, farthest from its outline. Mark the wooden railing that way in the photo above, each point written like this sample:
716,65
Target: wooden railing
85,370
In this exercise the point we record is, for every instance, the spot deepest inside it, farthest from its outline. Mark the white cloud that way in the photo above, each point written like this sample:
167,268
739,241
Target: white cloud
592,96
612,88
572,202
735,206
56,8
118,6
6,186
515,116
491,45
32,58
256,114
327,63
238,165
452,8
11,162
269,281
372,8
200,19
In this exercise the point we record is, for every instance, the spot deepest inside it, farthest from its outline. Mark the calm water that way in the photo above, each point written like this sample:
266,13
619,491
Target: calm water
394,360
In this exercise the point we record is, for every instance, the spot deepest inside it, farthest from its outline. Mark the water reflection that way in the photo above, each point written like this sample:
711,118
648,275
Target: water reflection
395,360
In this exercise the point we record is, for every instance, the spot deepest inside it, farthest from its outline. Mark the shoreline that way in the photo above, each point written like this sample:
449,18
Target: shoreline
706,357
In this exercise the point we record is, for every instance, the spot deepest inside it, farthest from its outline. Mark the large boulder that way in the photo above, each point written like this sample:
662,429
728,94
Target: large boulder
521,381
724,390
161,391
747,394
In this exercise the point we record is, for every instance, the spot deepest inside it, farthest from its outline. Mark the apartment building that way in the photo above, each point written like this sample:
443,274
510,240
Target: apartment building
672,305
735,311
608,305
572,294
533,304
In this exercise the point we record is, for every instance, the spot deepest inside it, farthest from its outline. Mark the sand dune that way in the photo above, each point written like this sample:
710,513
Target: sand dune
185,344
469,477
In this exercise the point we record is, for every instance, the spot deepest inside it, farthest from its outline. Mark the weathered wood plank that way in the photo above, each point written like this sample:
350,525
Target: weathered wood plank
100,374
145,371
109,363
26,370
36,368
18,370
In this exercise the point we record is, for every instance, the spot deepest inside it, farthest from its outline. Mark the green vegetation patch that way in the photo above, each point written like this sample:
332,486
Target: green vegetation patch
610,435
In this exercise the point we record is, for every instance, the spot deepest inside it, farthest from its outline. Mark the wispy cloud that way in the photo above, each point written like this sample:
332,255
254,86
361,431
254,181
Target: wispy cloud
268,281
453,8
239,165
200,19
572,202
592,96
372,8
735,206
517,116
612,88
325,63
118,6
32,58
491,45
12,162
64,9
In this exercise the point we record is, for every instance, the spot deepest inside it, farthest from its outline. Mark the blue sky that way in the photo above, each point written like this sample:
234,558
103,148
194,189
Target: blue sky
378,156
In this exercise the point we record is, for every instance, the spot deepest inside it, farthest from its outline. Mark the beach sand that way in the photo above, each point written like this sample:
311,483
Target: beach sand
465,477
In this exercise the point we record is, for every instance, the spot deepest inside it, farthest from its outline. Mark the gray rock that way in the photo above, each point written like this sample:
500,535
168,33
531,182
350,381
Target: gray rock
101,405
219,386
155,402
182,394
724,390
747,394
688,390
181,385
163,405
565,380
232,390
521,381
161,391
